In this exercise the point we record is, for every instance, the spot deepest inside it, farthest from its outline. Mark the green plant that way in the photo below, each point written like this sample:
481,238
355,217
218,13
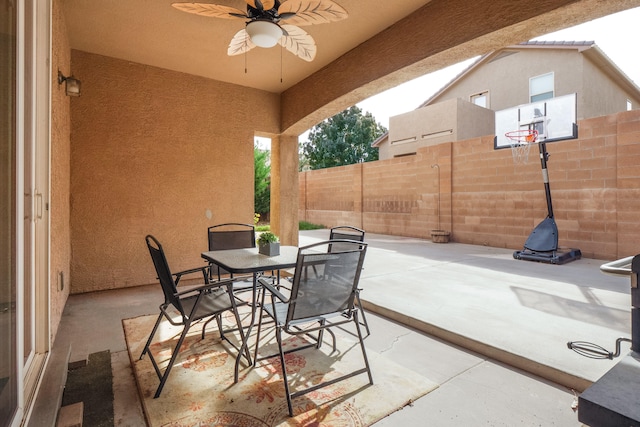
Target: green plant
267,237
304,225
265,227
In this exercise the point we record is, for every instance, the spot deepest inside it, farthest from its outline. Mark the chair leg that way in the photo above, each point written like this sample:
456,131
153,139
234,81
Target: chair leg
204,327
243,340
153,332
364,351
173,360
284,370
364,318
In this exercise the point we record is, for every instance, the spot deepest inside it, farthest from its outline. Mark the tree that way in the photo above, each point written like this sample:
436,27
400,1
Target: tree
262,181
343,139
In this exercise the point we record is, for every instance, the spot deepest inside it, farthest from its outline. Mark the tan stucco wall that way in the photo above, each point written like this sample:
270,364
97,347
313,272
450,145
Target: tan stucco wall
487,200
606,97
506,78
447,121
59,211
156,152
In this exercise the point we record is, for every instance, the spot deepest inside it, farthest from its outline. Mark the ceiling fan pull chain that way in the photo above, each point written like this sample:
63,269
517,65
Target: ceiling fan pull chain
281,48
245,62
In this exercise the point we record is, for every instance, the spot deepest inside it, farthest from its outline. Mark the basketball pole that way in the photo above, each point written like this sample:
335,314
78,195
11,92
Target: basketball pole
544,156
542,243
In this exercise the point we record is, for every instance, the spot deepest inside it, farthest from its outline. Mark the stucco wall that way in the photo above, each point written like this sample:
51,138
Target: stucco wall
59,211
507,80
446,121
487,200
156,152
607,97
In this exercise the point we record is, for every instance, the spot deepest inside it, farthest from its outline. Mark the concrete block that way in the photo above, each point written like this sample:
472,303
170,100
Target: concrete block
71,415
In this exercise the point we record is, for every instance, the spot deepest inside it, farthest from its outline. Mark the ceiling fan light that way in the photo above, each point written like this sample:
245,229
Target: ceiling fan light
264,33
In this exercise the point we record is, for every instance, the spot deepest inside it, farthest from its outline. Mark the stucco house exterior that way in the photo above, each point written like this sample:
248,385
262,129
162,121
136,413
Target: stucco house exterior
518,74
160,140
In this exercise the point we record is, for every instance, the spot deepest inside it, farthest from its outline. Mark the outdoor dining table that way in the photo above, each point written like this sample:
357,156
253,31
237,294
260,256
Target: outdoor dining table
249,260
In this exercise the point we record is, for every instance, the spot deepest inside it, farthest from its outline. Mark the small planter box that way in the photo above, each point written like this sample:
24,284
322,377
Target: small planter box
270,249
440,236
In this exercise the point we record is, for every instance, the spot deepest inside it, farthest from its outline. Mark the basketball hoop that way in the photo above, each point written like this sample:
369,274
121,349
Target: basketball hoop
521,142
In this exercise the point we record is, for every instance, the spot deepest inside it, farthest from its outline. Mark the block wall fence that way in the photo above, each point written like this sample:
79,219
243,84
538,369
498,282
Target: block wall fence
483,198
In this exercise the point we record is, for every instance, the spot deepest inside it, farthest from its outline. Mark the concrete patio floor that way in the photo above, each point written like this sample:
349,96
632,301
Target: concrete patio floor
489,329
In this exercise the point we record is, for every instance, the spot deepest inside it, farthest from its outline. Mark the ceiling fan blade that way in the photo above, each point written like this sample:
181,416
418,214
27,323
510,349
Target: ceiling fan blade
261,4
310,12
240,43
298,42
211,10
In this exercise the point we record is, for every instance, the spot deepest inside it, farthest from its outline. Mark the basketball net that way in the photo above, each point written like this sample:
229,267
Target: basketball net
521,142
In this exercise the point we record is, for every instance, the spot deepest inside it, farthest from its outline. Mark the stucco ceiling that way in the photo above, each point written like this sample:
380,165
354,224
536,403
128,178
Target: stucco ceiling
380,45
154,33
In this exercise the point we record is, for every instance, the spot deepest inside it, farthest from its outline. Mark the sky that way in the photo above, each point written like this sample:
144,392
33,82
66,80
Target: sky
616,35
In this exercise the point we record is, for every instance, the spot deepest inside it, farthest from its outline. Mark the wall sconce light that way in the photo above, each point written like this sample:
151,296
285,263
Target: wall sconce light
72,85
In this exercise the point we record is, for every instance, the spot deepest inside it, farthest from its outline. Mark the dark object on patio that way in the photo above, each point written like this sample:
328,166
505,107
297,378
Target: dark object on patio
324,287
231,235
195,304
348,232
92,384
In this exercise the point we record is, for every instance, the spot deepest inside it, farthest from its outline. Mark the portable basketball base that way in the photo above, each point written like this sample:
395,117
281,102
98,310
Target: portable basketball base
542,244
549,120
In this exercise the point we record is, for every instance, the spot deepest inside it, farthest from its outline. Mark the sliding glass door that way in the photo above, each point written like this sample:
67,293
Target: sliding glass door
8,222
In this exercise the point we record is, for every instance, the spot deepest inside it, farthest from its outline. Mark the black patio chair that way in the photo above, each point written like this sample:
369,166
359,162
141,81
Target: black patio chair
204,302
231,235
322,297
350,233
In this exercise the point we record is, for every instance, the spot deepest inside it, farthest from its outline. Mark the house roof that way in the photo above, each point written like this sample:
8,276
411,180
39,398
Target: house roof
587,48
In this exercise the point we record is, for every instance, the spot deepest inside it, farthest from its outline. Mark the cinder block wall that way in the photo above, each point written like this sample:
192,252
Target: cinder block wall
486,199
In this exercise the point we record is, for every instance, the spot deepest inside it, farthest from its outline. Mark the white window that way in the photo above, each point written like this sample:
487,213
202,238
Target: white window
541,87
481,99
629,105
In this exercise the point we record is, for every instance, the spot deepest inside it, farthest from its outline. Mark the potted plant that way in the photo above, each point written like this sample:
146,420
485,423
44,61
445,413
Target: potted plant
268,244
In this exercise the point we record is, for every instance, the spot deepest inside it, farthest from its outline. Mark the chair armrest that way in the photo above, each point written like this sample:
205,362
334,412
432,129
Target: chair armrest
265,283
206,287
202,269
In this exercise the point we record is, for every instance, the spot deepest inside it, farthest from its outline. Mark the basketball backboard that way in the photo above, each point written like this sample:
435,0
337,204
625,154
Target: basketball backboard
554,119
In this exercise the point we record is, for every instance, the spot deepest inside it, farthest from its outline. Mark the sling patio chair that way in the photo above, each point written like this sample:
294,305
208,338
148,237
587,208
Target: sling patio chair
186,308
231,235
322,297
350,233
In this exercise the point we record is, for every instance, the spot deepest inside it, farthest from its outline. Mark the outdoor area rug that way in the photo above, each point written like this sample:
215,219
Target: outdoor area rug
200,389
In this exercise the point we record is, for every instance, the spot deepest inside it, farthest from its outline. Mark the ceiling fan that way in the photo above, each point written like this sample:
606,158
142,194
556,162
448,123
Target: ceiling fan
269,22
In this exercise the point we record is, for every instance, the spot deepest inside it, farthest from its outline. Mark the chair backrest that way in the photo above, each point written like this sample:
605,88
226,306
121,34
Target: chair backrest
165,277
231,236
344,232
325,282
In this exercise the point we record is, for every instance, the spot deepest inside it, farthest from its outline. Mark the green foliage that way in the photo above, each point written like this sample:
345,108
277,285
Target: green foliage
343,139
267,237
262,181
263,227
304,225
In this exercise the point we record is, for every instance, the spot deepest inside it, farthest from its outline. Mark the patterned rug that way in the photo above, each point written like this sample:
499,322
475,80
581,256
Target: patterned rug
200,389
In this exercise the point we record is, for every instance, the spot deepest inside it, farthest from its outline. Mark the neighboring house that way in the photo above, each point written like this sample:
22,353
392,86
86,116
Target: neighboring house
515,75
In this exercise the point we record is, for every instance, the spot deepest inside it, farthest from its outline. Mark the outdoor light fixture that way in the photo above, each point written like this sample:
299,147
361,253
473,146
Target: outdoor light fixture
264,33
72,85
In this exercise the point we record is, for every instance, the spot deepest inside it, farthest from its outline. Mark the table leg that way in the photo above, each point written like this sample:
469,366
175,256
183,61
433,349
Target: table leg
245,345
